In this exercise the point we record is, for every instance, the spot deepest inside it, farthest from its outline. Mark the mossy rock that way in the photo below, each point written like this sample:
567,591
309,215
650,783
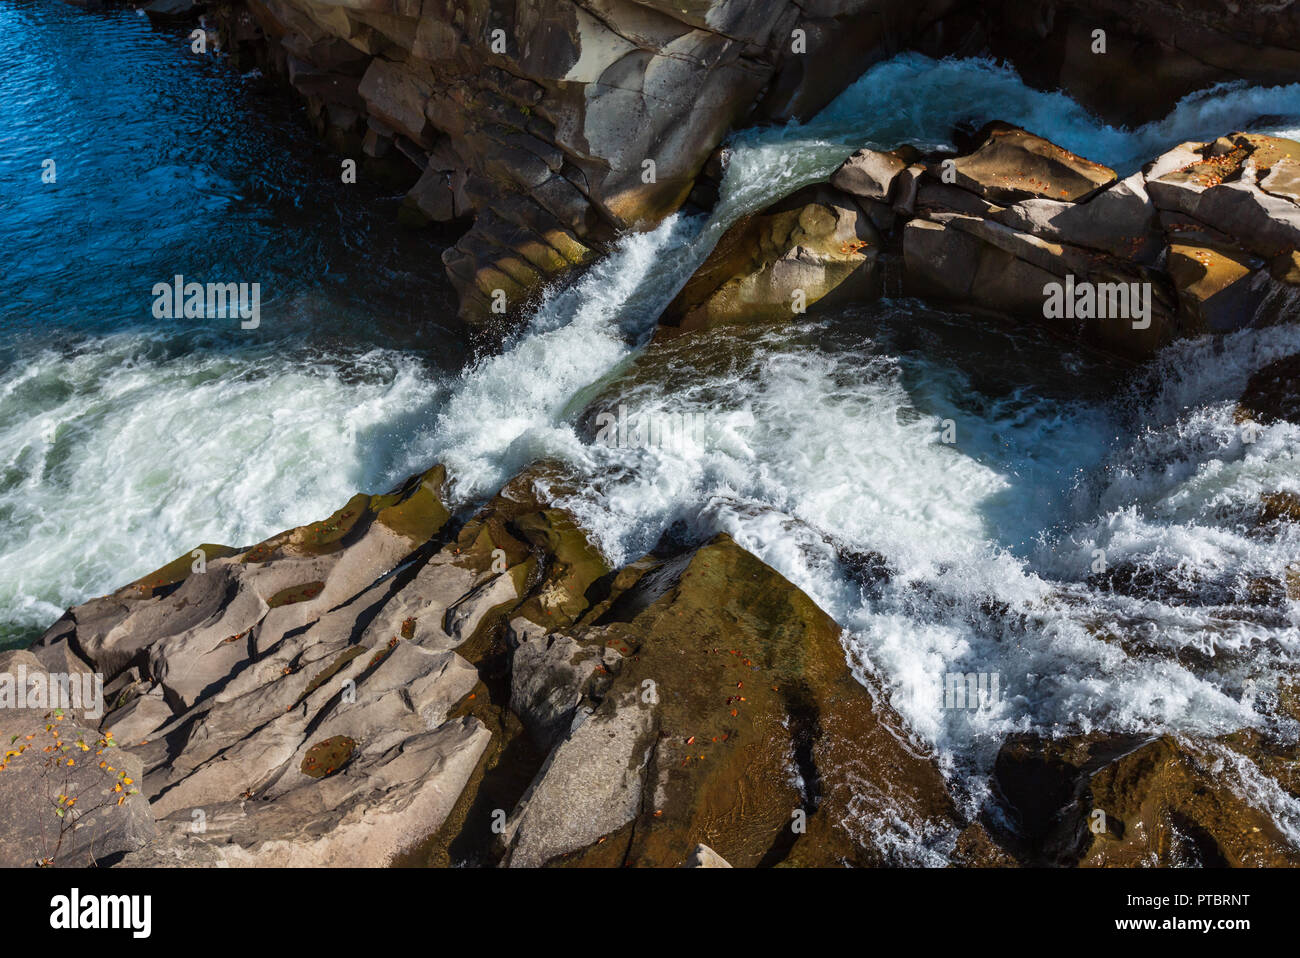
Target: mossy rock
296,593
179,569
752,685
417,510
328,756
575,565
263,551
328,534
1164,801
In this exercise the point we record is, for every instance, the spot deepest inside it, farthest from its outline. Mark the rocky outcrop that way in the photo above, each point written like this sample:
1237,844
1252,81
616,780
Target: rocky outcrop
1202,241
1137,802
1149,53
552,127
289,703
376,683
724,713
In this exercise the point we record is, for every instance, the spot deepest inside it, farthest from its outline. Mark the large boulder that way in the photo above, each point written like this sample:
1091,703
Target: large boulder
723,713
816,245
1233,226
1012,164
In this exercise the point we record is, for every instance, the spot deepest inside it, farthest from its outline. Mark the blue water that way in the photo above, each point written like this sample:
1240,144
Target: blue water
124,437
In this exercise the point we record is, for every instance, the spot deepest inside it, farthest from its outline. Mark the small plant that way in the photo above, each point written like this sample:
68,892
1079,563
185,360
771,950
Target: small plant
65,758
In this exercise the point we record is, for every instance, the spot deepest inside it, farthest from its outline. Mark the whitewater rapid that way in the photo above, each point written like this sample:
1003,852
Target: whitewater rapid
825,444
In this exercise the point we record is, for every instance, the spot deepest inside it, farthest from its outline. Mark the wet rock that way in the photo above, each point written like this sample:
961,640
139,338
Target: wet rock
869,174
1273,393
171,10
770,266
1279,507
729,718
562,109
1156,51
705,857
1133,801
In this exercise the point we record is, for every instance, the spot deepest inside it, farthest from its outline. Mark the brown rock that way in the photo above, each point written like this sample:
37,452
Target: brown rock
1012,164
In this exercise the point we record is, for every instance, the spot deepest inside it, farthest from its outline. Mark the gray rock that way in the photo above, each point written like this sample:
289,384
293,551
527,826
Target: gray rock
702,856
868,174
590,786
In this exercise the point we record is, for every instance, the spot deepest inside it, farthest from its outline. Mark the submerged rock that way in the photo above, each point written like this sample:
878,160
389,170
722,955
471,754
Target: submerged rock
1273,393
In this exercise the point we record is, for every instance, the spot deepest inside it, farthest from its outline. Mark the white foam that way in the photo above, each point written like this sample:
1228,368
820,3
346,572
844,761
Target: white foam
118,457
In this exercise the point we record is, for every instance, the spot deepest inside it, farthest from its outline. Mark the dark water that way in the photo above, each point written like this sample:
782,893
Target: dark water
125,438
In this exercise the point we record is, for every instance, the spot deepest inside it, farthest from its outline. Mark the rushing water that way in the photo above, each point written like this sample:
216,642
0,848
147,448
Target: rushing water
124,439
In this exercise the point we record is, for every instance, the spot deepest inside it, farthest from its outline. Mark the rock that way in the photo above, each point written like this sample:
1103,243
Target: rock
981,263
1012,164
396,96
1120,220
140,717
322,732
1220,285
1272,394
1280,507
705,857
549,676
1162,801
590,786
1217,186
869,174
359,817
168,10
62,807
976,848
728,713
794,254
1156,51
562,109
